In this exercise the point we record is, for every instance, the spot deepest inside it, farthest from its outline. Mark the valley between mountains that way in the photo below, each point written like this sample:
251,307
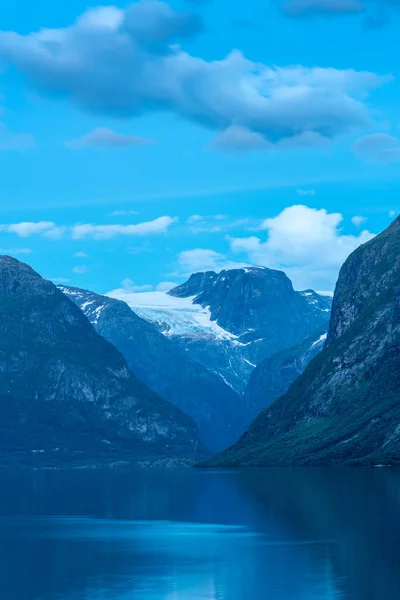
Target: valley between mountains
228,369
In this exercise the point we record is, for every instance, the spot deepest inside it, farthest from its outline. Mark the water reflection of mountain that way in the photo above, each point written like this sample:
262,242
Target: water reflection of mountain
358,509
281,534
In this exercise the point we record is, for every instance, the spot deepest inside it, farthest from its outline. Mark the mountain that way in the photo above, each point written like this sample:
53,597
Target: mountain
345,407
166,368
258,306
189,327
273,377
255,300
65,392
231,321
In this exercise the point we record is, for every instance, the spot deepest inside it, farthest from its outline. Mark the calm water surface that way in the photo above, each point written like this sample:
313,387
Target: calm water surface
270,534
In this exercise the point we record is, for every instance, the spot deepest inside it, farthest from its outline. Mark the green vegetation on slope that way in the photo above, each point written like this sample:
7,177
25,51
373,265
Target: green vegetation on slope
345,407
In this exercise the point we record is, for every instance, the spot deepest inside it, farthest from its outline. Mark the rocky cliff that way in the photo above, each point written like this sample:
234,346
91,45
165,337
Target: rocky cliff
273,377
260,310
166,368
65,389
345,407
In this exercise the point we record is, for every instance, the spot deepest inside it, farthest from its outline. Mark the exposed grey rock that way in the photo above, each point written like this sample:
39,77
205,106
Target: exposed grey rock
345,407
64,386
273,377
257,305
166,368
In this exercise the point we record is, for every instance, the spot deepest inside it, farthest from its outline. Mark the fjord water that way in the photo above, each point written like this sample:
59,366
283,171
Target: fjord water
267,534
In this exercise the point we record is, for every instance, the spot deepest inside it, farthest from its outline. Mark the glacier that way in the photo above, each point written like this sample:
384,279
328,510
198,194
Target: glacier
174,316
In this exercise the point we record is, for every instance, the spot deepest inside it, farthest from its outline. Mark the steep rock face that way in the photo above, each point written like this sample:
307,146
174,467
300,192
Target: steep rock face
345,407
166,368
257,301
62,385
260,308
273,377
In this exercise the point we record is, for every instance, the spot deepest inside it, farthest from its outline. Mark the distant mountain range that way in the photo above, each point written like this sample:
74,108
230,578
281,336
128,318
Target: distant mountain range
165,367
86,378
231,321
345,407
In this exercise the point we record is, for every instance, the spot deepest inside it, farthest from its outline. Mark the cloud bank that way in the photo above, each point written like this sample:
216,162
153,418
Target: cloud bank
51,230
306,243
124,63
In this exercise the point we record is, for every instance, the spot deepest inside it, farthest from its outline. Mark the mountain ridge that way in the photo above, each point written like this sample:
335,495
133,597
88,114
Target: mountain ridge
344,408
63,386
231,321
164,367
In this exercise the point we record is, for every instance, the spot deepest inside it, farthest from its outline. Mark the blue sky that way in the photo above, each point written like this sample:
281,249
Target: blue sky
141,142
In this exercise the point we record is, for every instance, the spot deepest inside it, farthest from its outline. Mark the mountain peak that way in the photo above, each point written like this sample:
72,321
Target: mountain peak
164,367
201,284
13,264
62,384
255,299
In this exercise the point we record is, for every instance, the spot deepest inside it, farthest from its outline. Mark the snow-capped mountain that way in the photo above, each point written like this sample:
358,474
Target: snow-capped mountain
165,367
231,321
190,327
174,315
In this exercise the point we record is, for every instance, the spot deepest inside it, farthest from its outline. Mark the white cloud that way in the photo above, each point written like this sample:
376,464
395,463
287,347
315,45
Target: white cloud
392,213
51,230
124,63
15,141
306,243
80,270
29,228
131,286
55,233
358,220
128,285
80,254
105,232
166,286
240,139
205,259
106,138
378,147
195,219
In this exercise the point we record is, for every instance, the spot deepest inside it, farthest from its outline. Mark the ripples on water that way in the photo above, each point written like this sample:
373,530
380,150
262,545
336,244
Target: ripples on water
268,534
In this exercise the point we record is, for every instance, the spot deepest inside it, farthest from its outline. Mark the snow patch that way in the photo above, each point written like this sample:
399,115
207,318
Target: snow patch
322,338
86,304
226,381
249,363
97,312
180,315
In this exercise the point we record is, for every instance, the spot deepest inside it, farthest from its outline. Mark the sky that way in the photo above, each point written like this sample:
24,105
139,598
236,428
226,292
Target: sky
142,142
